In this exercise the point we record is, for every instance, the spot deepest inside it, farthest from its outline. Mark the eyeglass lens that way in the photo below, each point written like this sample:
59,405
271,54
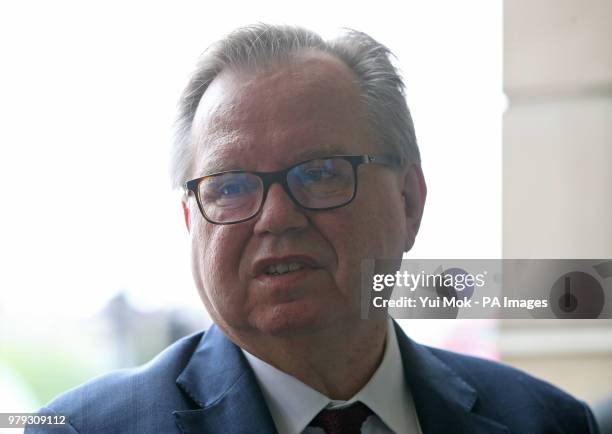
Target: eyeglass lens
316,184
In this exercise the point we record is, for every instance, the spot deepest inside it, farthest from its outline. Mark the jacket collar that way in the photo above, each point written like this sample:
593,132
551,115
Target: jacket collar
220,381
444,401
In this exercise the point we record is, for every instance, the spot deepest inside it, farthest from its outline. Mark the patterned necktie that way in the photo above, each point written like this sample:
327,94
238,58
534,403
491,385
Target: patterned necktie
347,420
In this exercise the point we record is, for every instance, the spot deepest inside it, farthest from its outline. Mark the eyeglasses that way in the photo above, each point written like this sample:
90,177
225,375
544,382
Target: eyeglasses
319,184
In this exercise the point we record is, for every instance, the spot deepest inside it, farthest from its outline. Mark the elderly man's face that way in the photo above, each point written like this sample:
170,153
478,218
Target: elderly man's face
267,122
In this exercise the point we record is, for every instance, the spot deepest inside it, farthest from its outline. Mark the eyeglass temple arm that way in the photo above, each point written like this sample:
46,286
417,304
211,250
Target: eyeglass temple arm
383,159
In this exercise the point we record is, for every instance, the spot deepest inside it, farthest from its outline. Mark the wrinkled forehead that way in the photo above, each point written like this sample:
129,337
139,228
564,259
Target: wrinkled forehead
312,100
291,88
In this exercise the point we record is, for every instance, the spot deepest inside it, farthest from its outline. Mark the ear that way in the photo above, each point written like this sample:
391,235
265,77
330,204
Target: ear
414,192
186,212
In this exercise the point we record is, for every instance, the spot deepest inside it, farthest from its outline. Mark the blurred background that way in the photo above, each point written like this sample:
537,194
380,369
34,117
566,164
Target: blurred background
512,103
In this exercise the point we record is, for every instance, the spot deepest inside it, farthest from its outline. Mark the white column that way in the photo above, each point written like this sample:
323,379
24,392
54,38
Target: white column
557,180
557,139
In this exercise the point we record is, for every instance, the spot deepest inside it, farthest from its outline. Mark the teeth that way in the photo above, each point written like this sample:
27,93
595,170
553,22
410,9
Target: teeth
283,268
294,266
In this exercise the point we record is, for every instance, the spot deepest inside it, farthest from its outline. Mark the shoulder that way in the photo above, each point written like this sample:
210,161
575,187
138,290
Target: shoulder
115,400
517,397
489,377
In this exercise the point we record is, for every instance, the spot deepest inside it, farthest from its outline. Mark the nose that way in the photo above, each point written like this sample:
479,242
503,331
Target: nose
279,213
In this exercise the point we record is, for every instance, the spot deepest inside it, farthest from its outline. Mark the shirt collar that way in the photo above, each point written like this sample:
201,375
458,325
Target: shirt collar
293,404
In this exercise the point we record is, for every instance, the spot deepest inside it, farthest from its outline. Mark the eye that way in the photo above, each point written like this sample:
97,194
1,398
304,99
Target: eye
232,189
228,187
236,188
317,171
317,174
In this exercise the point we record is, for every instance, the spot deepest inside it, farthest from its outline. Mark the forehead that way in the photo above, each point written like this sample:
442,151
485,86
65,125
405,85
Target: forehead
266,120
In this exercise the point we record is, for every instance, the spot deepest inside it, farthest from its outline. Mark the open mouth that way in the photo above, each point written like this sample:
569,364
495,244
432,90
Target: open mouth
283,268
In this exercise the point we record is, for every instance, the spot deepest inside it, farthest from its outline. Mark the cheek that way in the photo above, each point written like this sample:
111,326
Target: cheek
384,216
375,230
347,234
216,253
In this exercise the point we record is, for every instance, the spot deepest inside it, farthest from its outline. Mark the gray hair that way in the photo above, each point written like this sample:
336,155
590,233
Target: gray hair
255,47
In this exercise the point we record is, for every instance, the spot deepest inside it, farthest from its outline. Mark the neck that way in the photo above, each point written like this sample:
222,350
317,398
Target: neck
336,362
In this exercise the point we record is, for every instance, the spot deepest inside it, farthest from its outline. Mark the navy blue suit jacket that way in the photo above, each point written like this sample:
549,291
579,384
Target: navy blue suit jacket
203,384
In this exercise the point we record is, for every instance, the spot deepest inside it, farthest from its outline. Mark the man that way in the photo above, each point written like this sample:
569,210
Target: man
299,159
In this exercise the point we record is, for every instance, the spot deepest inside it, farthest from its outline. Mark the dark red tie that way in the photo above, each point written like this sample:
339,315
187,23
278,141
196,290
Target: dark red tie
347,420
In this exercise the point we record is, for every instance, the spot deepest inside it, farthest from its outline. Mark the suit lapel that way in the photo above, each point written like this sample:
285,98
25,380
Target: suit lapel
220,381
443,400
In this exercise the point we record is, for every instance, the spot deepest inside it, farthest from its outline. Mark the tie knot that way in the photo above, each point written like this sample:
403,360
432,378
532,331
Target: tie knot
347,420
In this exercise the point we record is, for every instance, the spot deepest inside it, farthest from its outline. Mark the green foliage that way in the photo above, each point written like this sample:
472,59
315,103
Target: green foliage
49,368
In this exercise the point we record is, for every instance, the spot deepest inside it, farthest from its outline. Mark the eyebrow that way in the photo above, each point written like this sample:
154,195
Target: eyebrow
217,166
321,153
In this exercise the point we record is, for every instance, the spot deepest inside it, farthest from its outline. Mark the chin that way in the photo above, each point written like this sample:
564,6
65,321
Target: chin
295,318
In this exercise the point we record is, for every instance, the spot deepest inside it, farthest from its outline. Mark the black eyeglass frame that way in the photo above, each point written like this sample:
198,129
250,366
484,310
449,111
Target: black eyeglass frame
280,177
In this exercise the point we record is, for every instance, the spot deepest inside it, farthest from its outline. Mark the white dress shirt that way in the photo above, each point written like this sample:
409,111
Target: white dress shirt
293,404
